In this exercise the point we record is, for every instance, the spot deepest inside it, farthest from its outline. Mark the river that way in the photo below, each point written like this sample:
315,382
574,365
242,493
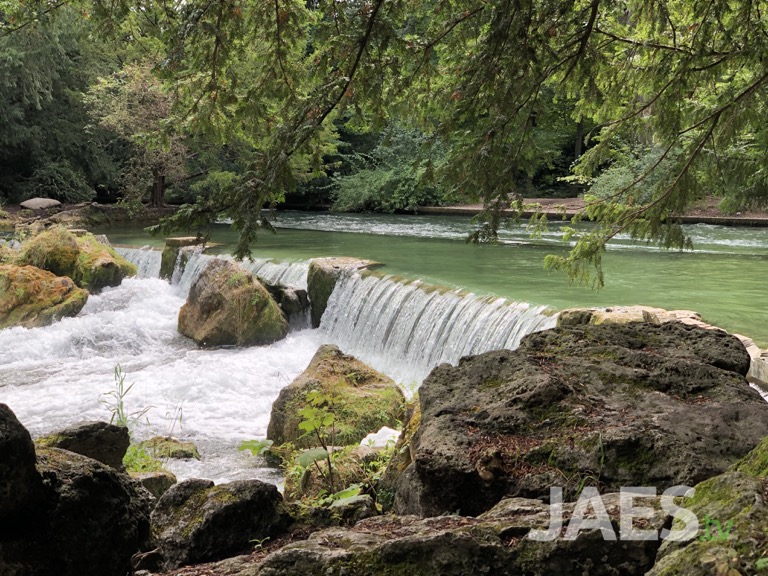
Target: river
58,375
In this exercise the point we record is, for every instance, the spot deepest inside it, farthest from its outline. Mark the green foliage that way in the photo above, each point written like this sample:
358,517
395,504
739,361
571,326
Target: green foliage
58,179
394,176
139,459
256,447
318,421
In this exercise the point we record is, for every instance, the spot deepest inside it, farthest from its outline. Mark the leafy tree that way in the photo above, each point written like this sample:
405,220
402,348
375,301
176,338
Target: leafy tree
684,80
136,106
44,149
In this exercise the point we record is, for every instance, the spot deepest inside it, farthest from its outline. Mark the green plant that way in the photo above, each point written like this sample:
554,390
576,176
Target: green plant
318,420
256,447
114,401
138,459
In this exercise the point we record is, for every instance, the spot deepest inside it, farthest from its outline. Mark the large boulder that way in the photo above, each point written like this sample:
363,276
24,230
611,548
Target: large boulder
228,306
32,297
494,543
101,441
91,264
322,277
20,484
195,521
732,510
89,522
611,405
364,400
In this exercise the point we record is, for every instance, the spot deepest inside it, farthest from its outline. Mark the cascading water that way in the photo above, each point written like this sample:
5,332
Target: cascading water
55,376
147,260
406,329
292,274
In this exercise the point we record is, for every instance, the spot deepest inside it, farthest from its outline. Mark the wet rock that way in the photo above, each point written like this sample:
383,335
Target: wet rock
157,483
195,521
171,253
86,261
228,306
161,447
101,441
365,400
32,297
321,280
617,404
293,302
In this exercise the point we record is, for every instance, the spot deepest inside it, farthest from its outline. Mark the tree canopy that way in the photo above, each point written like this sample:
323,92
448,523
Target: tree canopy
669,95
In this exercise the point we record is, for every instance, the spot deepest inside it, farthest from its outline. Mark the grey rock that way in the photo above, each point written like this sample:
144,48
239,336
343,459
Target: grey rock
195,521
20,483
91,521
101,441
494,543
622,405
40,203
156,483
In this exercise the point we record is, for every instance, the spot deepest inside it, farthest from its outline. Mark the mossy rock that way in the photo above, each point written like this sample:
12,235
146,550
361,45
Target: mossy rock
734,541
364,400
32,297
162,447
228,306
89,263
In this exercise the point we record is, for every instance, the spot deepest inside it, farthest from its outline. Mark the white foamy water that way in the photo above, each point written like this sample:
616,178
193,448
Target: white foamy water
55,376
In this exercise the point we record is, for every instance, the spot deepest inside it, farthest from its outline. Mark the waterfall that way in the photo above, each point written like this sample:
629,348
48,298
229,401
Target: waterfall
406,329
293,274
146,258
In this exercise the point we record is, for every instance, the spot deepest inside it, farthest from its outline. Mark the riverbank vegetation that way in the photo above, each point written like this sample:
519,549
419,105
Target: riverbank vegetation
646,105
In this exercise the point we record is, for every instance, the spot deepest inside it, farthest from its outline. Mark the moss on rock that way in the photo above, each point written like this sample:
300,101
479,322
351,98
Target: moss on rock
88,262
228,306
364,400
32,297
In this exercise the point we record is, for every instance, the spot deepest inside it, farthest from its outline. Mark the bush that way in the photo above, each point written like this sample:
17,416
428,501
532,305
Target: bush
393,177
61,181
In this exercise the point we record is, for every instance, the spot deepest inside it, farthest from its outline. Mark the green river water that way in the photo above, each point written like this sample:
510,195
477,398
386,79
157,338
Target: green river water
723,278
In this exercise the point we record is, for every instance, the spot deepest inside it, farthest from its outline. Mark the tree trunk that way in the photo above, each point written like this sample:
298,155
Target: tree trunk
579,139
158,188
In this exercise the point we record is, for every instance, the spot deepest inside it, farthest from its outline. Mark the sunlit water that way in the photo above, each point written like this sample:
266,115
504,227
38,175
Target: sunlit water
55,376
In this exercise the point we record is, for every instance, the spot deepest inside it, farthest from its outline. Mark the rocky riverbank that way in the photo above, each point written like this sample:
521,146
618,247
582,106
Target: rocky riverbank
581,412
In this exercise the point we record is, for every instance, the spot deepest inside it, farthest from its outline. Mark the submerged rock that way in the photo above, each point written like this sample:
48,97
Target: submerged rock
161,447
195,521
101,441
364,400
610,405
86,261
228,306
32,297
